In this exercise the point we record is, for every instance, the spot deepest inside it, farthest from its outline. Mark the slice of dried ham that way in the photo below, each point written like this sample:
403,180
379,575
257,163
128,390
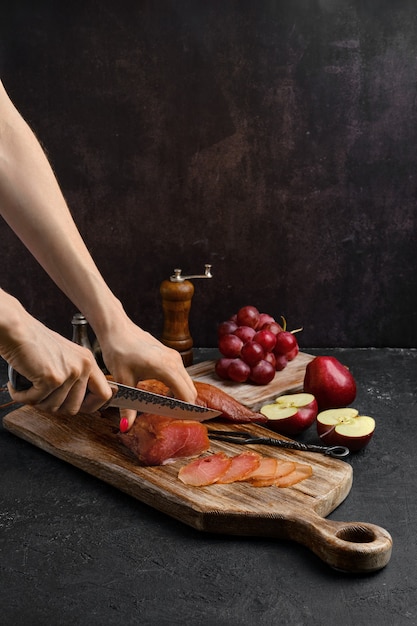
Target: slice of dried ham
265,470
300,472
218,468
242,465
205,471
282,468
157,440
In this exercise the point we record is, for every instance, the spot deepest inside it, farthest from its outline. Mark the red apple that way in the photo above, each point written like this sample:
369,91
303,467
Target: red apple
345,427
330,382
291,414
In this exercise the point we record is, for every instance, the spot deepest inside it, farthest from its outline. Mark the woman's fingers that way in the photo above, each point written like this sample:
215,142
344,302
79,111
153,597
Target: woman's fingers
70,398
127,419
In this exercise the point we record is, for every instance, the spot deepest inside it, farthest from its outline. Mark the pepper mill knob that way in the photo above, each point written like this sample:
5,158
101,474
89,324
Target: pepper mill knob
177,276
177,293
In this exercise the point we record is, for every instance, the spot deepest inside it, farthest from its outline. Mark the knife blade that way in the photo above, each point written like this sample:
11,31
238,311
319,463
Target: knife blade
125,397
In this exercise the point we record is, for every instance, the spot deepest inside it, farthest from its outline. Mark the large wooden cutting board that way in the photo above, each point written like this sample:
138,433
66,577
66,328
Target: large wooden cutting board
296,513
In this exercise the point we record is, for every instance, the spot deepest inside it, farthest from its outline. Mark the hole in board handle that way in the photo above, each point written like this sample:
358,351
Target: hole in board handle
356,534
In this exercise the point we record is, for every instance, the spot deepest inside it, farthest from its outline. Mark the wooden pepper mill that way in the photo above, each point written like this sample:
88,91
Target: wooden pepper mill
177,293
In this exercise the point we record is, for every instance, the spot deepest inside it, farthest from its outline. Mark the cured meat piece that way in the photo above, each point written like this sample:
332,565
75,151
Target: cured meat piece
282,469
154,386
157,440
265,470
300,472
212,397
205,471
241,466
150,384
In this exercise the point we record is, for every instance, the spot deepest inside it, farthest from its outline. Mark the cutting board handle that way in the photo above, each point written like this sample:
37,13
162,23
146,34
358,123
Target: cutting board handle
354,547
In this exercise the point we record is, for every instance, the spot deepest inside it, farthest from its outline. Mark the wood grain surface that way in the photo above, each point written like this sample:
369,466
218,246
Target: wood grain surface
297,513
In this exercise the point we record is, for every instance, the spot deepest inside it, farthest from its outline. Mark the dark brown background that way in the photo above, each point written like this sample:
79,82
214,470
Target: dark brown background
275,140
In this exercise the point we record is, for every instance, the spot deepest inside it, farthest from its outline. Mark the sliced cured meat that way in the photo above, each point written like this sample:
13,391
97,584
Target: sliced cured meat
241,466
212,397
156,440
221,469
282,468
265,470
300,472
205,471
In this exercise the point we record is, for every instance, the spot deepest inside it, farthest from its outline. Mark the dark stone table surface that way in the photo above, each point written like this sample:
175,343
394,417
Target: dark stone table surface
75,551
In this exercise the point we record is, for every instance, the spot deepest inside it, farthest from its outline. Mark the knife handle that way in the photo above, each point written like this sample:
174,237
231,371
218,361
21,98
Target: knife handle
18,381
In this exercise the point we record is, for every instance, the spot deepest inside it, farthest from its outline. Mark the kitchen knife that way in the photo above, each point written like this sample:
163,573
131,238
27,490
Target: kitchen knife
125,397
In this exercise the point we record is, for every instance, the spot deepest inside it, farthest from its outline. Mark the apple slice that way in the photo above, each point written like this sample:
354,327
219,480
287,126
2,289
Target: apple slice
345,427
291,414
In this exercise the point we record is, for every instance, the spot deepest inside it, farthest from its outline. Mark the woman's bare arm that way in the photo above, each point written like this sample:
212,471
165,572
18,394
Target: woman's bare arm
33,205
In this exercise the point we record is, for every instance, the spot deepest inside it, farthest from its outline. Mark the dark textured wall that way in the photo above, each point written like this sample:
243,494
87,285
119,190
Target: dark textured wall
275,140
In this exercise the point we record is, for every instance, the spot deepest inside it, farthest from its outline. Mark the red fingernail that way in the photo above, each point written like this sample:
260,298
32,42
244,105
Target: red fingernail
124,424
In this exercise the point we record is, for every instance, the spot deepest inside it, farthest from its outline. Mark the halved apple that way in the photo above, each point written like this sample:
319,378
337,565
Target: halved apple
291,414
345,427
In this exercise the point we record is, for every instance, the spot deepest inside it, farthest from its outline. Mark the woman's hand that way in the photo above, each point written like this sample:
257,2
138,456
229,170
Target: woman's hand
65,376
132,354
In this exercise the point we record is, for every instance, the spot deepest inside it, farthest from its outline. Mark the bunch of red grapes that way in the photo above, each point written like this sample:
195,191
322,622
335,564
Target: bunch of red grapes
253,347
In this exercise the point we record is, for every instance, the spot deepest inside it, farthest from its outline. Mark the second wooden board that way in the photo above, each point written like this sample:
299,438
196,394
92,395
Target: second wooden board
289,380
